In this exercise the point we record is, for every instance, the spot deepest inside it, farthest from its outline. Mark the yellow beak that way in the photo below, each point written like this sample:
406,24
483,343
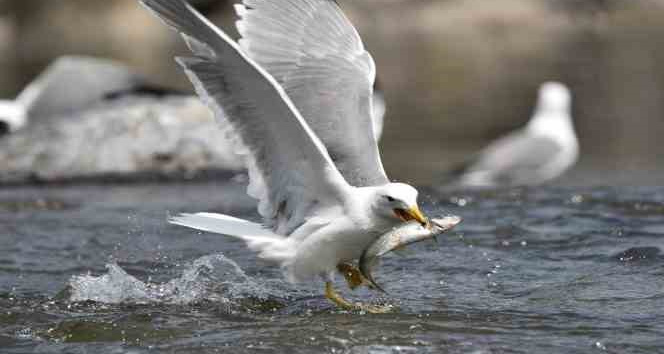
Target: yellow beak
413,213
417,215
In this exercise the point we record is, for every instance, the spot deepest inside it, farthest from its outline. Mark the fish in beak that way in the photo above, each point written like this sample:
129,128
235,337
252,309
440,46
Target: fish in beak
399,237
413,213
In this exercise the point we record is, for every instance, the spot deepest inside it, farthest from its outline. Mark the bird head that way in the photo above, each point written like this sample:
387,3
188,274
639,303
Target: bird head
12,116
553,97
398,202
552,116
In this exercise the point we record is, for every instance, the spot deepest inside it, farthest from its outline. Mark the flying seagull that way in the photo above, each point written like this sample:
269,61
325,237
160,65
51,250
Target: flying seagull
541,151
297,91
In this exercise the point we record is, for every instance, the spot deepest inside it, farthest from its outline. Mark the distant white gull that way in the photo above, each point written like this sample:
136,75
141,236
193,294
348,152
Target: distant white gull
297,91
70,85
538,153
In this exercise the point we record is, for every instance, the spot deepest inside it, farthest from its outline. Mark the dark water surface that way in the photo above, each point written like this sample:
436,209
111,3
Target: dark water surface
96,269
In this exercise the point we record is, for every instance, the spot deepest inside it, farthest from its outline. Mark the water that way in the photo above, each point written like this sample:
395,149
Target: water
96,269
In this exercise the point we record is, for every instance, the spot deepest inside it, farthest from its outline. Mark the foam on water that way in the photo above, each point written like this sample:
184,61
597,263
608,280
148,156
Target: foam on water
212,278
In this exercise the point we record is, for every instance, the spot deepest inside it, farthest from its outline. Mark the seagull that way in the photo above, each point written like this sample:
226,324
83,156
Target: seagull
70,85
297,91
541,151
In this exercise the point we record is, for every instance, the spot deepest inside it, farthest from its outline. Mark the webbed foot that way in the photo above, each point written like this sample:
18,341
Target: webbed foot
333,296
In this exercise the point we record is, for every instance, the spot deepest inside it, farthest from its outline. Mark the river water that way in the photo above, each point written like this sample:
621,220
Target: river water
97,269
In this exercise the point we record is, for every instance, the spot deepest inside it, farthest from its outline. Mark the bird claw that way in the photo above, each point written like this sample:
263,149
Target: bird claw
333,296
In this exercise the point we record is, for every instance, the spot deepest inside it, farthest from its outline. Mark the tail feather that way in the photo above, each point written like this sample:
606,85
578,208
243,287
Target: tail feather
271,246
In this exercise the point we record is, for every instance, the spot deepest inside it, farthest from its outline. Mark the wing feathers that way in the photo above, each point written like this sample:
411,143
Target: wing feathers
291,162
315,53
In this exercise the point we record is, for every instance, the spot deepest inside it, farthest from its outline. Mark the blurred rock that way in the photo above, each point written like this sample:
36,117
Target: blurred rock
90,117
171,136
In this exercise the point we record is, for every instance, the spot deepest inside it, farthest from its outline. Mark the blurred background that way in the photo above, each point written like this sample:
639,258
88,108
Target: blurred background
456,73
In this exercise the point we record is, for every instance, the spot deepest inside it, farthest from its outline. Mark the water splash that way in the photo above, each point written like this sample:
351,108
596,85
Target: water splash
212,278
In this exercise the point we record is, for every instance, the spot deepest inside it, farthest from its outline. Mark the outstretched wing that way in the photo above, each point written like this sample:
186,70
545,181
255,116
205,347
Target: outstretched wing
317,56
298,174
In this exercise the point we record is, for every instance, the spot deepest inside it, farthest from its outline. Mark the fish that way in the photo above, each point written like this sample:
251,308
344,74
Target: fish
400,237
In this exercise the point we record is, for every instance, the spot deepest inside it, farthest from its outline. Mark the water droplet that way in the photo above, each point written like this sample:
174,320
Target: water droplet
25,333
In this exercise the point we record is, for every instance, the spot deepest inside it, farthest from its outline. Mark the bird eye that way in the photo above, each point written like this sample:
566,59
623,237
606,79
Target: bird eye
389,199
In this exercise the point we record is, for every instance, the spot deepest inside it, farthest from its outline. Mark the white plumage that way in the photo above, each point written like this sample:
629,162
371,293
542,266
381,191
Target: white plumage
297,91
316,55
12,115
535,154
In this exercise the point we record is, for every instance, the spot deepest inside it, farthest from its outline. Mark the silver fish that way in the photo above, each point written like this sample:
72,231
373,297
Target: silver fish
400,237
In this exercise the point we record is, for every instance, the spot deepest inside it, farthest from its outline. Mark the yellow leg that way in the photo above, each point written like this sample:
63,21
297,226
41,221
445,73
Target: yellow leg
353,276
333,296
